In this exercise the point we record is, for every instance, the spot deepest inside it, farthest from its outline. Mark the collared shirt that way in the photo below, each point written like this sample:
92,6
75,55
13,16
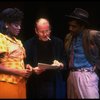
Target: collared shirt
12,54
80,59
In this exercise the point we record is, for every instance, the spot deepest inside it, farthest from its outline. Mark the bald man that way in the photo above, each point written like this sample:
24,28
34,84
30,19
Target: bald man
43,29
44,48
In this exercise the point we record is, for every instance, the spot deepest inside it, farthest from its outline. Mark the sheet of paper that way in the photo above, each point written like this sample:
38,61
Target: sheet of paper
47,66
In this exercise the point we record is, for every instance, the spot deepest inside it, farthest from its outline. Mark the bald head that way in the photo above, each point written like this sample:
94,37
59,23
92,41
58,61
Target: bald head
42,23
43,29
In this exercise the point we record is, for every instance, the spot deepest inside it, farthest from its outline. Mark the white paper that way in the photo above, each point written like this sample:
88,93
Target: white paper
47,66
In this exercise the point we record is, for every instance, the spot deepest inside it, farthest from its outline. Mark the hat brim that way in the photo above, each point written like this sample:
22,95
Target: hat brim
74,17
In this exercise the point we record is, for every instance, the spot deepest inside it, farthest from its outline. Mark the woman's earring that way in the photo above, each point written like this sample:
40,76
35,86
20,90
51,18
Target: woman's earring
6,26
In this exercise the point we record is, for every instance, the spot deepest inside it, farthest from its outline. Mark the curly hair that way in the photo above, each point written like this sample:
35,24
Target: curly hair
11,15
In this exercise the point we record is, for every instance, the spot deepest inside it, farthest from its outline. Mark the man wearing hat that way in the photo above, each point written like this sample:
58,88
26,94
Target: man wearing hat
83,53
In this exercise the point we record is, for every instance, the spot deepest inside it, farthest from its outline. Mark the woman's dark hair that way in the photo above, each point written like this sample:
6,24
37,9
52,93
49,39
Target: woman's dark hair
10,15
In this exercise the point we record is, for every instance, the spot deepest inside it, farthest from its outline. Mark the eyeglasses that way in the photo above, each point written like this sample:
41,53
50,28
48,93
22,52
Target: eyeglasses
44,31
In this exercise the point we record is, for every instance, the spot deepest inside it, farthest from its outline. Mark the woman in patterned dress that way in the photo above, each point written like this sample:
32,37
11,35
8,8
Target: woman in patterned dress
13,71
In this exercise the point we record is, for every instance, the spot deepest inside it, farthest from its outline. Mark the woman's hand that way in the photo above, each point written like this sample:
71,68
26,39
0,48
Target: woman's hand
26,72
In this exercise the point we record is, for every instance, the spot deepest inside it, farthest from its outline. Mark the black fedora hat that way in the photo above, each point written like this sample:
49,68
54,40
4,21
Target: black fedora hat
79,14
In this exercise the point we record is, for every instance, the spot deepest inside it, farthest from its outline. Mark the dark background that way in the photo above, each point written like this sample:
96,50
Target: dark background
56,11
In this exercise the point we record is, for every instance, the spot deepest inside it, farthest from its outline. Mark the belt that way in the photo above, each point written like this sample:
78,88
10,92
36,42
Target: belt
82,69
